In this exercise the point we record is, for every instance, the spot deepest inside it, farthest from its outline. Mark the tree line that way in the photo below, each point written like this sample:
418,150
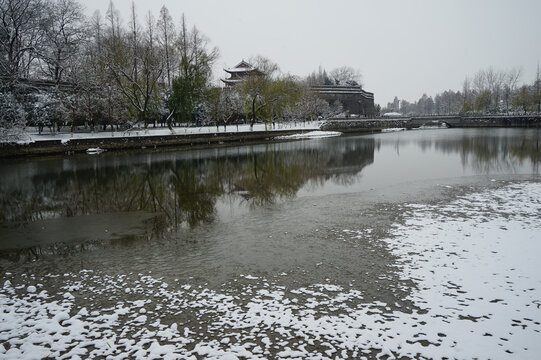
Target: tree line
488,91
59,67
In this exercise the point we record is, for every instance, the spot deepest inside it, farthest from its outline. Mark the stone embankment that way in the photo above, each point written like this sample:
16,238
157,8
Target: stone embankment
50,147
365,125
374,125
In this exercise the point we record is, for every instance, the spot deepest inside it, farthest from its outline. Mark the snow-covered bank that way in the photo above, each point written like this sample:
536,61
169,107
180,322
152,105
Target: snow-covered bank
477,293
68,143
31,136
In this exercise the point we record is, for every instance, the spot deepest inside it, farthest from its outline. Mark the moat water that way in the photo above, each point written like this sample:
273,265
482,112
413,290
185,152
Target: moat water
300,224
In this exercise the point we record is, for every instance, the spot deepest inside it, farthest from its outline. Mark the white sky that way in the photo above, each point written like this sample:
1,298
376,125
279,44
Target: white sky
403,48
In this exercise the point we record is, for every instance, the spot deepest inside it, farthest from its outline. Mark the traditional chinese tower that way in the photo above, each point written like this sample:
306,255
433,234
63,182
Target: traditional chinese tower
238,73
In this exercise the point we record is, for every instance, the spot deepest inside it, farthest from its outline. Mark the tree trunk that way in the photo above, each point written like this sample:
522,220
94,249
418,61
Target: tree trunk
143,119
168,120
252,120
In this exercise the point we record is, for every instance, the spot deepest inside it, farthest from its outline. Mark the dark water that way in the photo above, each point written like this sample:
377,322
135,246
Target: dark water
211,215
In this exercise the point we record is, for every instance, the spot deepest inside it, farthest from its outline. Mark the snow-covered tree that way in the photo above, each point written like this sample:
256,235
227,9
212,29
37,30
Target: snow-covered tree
12,118
48,110
310,106
336,108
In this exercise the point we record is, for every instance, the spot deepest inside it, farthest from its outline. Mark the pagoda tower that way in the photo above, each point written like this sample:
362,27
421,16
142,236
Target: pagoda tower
239,73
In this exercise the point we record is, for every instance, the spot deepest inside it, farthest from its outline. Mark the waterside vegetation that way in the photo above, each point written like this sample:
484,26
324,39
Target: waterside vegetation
488,91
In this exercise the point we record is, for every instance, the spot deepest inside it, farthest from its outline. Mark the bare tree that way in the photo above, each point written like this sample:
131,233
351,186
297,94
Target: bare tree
64,31
510,85
494,79
113,18
96,29
19,38
135,66
467,96
346,75
537,90
479,81
166,37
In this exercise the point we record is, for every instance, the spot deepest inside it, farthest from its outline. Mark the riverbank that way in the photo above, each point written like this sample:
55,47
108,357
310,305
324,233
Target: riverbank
32,143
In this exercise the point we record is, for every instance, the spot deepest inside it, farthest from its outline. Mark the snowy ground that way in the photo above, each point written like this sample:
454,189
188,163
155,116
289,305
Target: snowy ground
474,263
31,135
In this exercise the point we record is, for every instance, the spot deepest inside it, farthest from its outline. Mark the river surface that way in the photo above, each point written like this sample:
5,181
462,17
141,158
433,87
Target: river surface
320,248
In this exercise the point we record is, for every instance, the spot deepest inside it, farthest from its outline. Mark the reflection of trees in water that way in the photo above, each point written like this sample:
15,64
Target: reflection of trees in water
185,191
263,179
345,166
486,153
194,198
528,150
109,189
37,252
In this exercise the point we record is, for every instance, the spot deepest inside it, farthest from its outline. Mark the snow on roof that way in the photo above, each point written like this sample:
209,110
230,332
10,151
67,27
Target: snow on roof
243,66
238,70
231,81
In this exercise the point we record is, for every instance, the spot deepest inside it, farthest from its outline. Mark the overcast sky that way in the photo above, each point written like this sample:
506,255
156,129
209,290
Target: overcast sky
402,48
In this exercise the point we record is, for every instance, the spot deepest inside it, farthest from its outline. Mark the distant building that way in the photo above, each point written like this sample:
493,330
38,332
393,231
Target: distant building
353,98
238,73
